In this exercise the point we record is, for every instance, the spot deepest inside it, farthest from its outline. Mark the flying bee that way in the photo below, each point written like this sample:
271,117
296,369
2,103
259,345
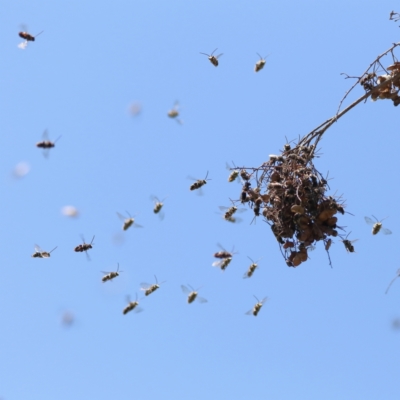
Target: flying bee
257,307
132,305
173,113
158,205
28,38
234,172
328,244
213,59
199,183
39,253
260,64
128,222
46,144
84,247
348,244
149,289
243,196
390,284
229,211
377,226
192,295
223,264
224,253
110,275
253,266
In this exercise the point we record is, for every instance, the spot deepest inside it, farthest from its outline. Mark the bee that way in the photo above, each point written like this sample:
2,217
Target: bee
229,211
257,307
39,253
128,222
390,284
328,244
224,253
84,247
132,305
223,264
377,226
158,205
173,113
253,266
110,275
213,59
260,64
28,38
245,189
46,144
199,183
149,289
192,295
234,174
348,244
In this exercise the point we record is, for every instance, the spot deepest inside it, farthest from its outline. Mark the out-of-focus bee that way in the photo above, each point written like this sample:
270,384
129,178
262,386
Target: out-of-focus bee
260,64
253,266
244,175
199,183
224,253
158,205
348,244
46,144
28,38
390,284
84,247
234,173
223,264
245,189
173,113
229,211
110,275
149,289
128,222
257,307
192,294
377,226
213,59
39,253
328,244
132,305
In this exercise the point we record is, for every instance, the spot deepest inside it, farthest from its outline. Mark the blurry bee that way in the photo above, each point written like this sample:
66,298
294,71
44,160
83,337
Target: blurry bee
245,189
173,113
132,305
199,183
328,244
213,59
28,38
224,253
234,174
46,144
84,247
158,205
260,64
223,264
377,226
390,284
348,244
192,295
128,222
110,275
244,175
39,253
257,307
253,266
149,289
229,211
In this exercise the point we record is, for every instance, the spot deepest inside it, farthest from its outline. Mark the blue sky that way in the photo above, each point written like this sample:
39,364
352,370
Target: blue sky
324,333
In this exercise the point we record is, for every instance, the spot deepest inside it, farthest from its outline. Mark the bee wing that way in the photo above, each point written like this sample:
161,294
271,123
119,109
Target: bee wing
369,221
353,241
38,249
121,217
233,219
137,309
386,231
145,286
250,312
219,55
223,208
264,300
201,299
185,289
240,210
135,225
217,263
23,45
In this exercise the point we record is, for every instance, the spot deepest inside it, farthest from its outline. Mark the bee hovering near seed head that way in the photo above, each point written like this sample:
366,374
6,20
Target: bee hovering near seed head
224,253
28,38
39,253
348,244
110,275
128,222
229,211
260,64
149,289
223,264
46,144
199,183
257,307
213,59
377,226
192,294
132,305
84,247
253,266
